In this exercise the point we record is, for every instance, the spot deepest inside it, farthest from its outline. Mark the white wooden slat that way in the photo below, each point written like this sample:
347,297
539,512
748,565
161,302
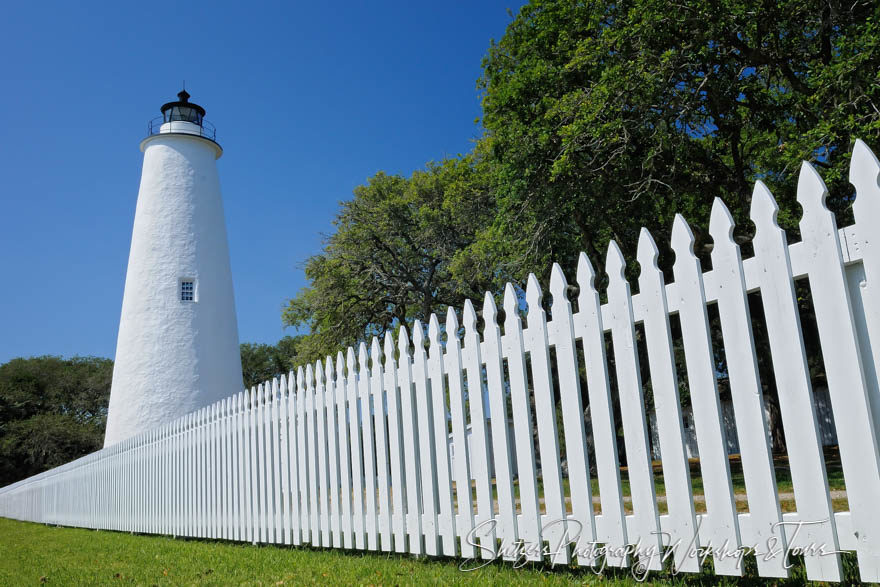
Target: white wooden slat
864,174
265,458
295,471
589,327
446,516
537,345
681,527
646,523
323,467
805,456
275,433
344,457
371,522
311,444
377,384
303,432
395,452
410,441
580,526
461,470
427,460
529,523
506,529
843,368
357,455
237,469
479,443
333,453
249,448
719,528
285,444
747,392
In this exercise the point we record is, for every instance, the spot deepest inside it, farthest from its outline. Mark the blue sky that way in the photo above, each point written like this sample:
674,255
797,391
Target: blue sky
309,100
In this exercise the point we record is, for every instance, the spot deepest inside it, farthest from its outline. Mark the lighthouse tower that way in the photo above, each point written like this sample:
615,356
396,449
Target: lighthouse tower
177,349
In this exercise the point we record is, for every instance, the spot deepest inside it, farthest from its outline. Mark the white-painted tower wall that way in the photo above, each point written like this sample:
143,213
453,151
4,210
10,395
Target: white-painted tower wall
173,355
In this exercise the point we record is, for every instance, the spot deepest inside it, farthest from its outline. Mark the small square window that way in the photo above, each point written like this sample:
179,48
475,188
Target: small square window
187,290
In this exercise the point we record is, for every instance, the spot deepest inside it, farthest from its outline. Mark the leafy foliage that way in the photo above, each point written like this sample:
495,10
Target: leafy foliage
395,255
262,362
606,117
52,411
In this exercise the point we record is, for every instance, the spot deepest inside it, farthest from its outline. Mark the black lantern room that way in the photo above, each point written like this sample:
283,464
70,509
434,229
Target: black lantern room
183,110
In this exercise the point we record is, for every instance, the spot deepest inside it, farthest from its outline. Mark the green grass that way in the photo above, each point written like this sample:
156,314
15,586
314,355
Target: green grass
34,553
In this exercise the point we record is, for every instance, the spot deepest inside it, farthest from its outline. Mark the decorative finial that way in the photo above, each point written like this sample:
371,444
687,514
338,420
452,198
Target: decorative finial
183,95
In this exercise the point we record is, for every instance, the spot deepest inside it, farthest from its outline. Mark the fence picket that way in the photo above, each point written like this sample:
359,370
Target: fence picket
588,326
357,459
410,442
427,460
719,527
645,518
333,461
464,521
395,454
580,527
796,401
436,376
479,457
343,437
377,383
370,519
856,430
682,525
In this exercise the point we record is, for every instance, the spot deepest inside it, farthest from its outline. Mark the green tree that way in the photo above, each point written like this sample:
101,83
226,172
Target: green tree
603,117
396,255
262,362
52,411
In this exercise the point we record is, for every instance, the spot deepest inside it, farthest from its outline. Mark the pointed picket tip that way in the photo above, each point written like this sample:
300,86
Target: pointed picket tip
534,295
418,335
403,342
614,261
558,284
434,329
510,302
586,274
682,237
329,368
490,310
647,251
309,375
468,317
375,351
300,377
283,383
319,372
763,206
721,223
811,190
349,359
340,364
451,324
362,354
389,345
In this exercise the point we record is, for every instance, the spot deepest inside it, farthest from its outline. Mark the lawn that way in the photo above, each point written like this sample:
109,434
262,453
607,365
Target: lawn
35,554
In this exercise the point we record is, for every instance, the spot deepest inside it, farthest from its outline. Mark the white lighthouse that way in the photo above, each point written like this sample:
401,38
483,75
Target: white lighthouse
177,349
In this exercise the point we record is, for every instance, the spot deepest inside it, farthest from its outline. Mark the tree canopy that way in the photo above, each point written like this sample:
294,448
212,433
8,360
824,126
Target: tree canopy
396,255
261,362
605,117
52,411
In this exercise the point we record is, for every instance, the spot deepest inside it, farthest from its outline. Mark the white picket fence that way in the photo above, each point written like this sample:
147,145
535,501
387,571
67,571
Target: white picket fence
354,453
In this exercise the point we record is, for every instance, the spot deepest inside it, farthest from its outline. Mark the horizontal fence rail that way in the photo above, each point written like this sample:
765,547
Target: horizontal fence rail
356,451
